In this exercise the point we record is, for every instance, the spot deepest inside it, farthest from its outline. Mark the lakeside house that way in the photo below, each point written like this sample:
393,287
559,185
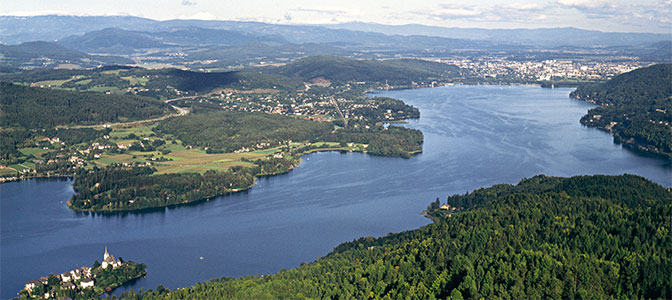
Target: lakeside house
86,283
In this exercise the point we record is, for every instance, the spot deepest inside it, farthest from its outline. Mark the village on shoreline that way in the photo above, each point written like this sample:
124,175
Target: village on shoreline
84,281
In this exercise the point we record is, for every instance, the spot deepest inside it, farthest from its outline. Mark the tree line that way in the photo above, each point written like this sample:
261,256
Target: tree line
586,237
636,107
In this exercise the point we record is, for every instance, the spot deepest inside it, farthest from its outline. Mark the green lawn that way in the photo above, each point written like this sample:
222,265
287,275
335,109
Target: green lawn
112,89
47,83
32,151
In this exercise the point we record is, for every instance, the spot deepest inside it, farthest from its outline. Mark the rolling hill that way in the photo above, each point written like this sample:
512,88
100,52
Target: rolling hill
342,69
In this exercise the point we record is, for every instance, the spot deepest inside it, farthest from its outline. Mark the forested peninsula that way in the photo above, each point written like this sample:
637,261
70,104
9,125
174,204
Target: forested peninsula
231,127
636,107
584,237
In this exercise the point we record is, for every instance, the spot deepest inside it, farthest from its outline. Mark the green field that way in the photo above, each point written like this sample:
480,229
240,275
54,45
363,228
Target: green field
50,83
85,81
180,159
135,80
111,89
32,151
7,171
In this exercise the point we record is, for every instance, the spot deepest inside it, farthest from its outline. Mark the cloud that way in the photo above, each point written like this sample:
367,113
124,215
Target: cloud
323,15
188,3
586,4
320,11
647,14
510,12
201,15
525,6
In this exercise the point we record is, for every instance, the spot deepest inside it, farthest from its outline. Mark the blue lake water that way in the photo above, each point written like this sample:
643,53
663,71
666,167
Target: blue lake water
475,136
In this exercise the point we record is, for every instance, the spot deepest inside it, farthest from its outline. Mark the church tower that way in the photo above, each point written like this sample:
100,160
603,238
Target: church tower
106,254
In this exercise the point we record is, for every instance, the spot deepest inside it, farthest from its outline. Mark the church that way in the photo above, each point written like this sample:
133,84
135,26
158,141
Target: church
108,260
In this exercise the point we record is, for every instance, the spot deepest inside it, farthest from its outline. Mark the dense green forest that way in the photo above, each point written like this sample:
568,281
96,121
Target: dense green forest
204,82
127,188
586,237
31,107
636,107
343,69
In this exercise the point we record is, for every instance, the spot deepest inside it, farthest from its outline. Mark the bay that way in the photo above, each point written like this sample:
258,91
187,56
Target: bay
475,136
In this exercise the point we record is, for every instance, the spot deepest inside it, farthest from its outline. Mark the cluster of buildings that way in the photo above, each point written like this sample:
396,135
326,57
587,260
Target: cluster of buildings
544,70
317,108
79,278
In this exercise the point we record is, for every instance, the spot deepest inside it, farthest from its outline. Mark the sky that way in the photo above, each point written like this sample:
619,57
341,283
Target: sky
605,15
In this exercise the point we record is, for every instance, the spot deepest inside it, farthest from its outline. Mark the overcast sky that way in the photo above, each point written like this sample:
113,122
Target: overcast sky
605,15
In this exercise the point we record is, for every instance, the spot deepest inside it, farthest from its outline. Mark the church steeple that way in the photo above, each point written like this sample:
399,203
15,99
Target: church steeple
106,254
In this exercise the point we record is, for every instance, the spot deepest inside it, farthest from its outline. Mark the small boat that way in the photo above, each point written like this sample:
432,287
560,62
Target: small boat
202,258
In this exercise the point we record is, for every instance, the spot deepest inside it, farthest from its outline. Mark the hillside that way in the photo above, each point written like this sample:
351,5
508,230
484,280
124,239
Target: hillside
111,40
636,107
589,237
116,40
156,83
48,54
32,107
342,69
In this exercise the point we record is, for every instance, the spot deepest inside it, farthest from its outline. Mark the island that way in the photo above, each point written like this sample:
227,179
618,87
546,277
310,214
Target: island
84,282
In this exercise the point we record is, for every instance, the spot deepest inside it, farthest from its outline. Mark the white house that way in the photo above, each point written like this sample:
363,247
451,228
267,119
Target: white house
30,285
86,283
65,277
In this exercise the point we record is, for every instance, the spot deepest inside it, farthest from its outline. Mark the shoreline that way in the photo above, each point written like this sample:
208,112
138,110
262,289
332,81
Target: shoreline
199,201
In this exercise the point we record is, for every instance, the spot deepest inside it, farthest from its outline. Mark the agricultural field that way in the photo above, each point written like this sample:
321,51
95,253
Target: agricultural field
173,156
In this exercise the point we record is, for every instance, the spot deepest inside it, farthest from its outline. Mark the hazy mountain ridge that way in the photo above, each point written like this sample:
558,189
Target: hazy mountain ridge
54,27
117,40
542,36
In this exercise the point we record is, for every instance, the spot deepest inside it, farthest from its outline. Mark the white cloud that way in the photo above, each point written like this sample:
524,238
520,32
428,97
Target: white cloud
525,6
586,3
457,12
201,15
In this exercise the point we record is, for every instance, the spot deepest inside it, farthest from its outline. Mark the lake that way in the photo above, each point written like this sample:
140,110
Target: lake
475,136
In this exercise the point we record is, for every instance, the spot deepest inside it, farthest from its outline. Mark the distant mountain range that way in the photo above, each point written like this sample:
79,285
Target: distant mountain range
74,41
116,40
547,37
53,27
